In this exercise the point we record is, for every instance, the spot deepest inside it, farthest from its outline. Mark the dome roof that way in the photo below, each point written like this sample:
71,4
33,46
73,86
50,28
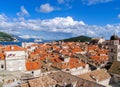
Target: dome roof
114,37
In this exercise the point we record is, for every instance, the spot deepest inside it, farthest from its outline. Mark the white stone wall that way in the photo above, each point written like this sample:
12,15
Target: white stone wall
64,47
24,44
10,55
83,52
15,60
35,73
14,65
101,40
79,70
32,48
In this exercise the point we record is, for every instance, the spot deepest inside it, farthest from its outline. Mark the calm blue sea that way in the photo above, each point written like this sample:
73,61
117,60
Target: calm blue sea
18,43
11,43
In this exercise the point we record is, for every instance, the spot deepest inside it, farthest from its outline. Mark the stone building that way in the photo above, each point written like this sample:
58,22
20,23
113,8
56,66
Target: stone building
15,58
114,58
115,72
114,49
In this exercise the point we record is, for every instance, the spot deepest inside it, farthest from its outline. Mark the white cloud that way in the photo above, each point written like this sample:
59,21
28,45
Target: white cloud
66,3
60,1
45,8
57,25
23,12
91,2
3,17
119,16
29,36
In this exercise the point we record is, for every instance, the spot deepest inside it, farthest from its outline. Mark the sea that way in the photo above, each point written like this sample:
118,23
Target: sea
11,43
20,43
15,43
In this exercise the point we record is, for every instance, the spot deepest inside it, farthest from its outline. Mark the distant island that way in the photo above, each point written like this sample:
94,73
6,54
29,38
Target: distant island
78,39
5,37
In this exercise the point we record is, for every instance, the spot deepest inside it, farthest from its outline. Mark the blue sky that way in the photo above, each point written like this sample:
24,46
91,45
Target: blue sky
58,19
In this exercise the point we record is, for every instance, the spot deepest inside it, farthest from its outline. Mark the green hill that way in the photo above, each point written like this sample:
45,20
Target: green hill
77,39
4,37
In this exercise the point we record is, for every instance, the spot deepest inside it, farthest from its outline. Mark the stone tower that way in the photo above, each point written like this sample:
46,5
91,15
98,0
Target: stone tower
114,49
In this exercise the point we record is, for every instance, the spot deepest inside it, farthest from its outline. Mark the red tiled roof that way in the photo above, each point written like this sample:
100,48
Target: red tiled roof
99,58
2,56
33,65
13,48
73,63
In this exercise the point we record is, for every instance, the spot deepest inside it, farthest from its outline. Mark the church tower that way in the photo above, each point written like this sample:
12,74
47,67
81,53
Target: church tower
114,49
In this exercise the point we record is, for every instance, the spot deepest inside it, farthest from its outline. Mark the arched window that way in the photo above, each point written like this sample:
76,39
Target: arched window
2,66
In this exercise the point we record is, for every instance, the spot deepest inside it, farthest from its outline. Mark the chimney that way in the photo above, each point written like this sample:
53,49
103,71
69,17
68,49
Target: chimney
11,47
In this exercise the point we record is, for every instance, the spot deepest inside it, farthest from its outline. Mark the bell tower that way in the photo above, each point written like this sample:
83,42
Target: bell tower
114,49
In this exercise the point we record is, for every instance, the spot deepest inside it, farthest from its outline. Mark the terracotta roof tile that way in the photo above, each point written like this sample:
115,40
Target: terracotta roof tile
13,48
33,65
99,58
2,56
73,63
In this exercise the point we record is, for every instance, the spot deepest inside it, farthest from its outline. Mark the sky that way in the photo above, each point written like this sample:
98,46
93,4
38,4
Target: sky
59,19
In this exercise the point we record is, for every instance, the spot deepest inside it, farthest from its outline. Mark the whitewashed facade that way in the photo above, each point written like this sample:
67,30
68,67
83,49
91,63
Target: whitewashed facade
15,60
35,73
78,70
81,70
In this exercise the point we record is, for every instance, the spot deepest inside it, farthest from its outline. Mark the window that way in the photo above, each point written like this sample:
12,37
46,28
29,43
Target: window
111,50
67,69
116,42
32,72
2,66
112,57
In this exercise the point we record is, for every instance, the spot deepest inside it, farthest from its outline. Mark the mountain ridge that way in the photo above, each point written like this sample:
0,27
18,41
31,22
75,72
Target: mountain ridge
5,37
78,39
